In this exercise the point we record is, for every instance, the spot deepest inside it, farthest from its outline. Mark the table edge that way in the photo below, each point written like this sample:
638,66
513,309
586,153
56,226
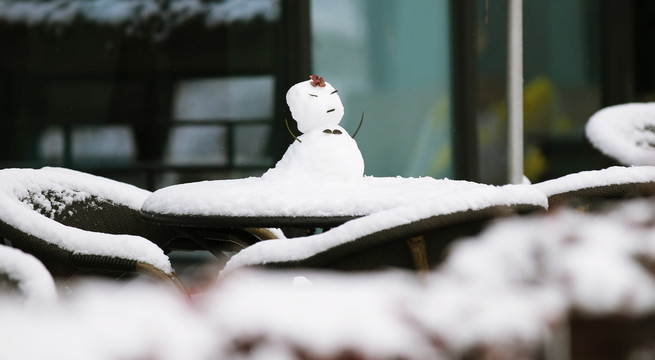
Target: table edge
222,221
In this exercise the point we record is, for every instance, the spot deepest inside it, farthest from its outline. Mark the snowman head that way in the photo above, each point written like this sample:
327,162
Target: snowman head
314,104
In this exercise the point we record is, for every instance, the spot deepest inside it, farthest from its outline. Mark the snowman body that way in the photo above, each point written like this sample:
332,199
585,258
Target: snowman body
325,151
318,154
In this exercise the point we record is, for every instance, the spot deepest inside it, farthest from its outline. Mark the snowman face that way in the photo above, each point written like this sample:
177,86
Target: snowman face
314,107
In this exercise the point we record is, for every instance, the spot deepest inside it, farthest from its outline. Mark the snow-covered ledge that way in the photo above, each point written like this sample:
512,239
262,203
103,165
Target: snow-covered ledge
612,176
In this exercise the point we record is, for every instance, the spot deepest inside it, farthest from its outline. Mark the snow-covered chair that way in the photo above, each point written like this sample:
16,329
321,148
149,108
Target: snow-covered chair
624,134
77,223
24,276
411,236
591,190
599,267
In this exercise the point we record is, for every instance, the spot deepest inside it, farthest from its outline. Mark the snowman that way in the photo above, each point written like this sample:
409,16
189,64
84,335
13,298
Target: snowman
325,150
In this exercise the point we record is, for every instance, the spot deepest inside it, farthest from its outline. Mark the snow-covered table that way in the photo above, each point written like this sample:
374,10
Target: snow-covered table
273,203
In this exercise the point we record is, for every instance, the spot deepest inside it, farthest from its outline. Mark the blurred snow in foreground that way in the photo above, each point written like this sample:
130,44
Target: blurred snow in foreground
512,288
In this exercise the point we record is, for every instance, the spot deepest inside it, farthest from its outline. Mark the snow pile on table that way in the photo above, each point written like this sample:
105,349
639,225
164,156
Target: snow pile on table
35,285
256,196
441,203
25,198
625,133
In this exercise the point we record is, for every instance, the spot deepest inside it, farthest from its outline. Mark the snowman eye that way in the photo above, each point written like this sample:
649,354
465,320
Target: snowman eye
334,92
313,95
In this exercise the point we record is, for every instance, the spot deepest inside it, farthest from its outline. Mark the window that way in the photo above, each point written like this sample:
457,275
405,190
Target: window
390,59
562,61
145,91
157,92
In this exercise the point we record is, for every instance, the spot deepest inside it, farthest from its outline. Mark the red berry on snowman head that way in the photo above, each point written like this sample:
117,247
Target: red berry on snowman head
317,81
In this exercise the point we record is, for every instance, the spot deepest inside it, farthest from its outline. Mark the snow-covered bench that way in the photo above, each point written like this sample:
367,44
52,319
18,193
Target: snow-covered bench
408,236
78,223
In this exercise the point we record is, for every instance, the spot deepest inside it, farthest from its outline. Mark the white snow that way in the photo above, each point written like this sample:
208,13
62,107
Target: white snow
625,133
119,192
33,279
466,315
19,184
280,250
281,196
600,263
264,315
586,179
107,322
363,314
320,157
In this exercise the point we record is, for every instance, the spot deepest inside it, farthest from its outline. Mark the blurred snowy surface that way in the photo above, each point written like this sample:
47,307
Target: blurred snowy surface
252,315
601,263
512,288
35,285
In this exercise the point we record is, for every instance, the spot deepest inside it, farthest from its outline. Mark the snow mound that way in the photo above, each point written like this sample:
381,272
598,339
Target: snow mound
385,315
320,156
602,263
90,323
625,133
33,279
